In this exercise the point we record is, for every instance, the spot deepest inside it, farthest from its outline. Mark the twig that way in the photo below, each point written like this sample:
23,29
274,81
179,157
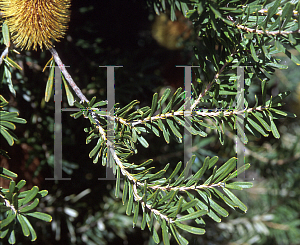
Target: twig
4,54
265,12
208,87
117,160
7,203
273,33
209,113
67,75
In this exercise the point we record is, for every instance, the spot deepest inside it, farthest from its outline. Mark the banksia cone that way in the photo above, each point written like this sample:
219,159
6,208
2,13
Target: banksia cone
36,22
171,34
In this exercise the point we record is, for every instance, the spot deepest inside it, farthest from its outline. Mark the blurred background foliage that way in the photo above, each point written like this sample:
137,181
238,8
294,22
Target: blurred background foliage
84,209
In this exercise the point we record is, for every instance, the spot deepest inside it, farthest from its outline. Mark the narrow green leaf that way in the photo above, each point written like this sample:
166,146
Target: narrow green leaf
130,201
273,10
277,66
125,190
4,232
96,148
41,216
273,127
77,114
8,173
31,206
32,231
12,63
253,52
275,25
212,204
150,220
210,213
155,236
166,197
163,98
100,103
92,101
8,125
241,205
266,52
188,205
224,198
117,192
190,229
12,237
225,169
164,130
142,140
23,224
7,76
180,239
49,85
42,193
146,163
153,197
210,179
159,173
279,112
212,161
154,104
143,225
136,213
257,127
188,166
7,136
10,217
173,128
69,94
202,170
153,128
121,112
287,13
171,200
178,210
238,171
239,185
29,195
192,215
175,171
5,33
165,233
258,116
179,179
216,12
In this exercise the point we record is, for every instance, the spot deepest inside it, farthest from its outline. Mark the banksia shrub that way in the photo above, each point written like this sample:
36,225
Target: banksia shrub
36,22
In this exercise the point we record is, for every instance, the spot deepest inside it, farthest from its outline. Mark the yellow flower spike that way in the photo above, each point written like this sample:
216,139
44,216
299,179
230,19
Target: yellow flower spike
36,22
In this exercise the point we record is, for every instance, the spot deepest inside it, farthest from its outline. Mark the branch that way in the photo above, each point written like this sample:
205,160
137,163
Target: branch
110,146
135,184
208,87
265,12
93,114
274,33
7,203
209,113
67,75
4,54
